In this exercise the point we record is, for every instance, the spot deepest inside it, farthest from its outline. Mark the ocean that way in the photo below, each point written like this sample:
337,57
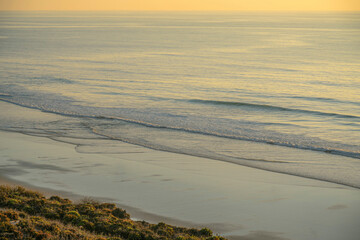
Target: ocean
274,91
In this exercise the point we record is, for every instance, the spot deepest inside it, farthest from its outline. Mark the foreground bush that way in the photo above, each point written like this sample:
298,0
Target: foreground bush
18,225
29,215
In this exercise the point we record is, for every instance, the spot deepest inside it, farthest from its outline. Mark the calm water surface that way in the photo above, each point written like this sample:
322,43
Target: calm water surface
279,92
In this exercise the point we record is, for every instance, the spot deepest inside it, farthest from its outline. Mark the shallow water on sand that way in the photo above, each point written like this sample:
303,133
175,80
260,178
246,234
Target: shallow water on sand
271,91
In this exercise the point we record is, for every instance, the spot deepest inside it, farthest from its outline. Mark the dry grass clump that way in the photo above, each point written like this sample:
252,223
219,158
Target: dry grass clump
29,215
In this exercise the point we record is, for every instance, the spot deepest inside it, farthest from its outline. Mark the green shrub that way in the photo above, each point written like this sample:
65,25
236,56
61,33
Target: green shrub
120,213
13,203
206,232
72,217
110,206
55,198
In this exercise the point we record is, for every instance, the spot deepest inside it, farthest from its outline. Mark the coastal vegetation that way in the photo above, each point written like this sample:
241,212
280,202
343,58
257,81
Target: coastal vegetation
26,214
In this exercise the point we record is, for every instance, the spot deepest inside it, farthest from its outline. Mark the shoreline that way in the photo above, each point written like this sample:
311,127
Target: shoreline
234,201
251,163
250,200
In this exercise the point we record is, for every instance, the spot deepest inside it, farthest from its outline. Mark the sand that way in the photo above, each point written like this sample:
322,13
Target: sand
235,201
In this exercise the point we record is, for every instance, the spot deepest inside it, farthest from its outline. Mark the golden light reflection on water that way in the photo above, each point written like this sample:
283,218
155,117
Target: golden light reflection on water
208,5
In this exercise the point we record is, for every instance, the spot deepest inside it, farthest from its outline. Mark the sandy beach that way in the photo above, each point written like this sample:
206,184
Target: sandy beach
235,201
243,122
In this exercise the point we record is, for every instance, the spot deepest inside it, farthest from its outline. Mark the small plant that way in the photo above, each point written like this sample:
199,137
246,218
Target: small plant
120,213
206,232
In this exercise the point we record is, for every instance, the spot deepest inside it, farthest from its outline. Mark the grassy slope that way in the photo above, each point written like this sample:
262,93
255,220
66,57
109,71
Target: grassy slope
29,215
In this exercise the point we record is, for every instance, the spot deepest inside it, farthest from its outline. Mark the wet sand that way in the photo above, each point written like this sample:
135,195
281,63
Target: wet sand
235,201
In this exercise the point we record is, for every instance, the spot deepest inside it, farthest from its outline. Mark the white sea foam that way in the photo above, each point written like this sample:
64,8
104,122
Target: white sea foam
279,95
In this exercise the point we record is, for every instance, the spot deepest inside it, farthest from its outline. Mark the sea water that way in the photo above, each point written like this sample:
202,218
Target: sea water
275,91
